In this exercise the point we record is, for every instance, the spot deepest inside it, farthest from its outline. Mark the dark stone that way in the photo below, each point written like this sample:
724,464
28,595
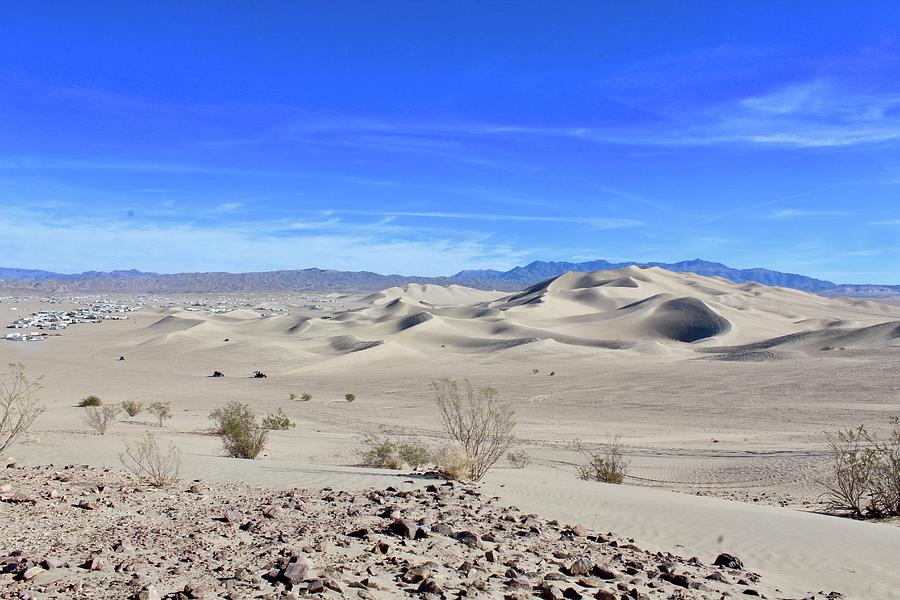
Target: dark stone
730,561
404,528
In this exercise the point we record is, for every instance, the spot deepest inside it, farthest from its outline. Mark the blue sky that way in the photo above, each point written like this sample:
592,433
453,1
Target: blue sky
426,137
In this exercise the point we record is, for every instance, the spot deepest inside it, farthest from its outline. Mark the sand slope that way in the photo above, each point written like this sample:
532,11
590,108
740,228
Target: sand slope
637,309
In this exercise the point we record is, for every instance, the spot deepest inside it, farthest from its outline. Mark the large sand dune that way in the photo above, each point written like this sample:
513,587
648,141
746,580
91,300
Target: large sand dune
633,308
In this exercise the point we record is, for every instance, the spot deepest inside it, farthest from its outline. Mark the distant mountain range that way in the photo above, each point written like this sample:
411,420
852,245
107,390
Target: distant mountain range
133,281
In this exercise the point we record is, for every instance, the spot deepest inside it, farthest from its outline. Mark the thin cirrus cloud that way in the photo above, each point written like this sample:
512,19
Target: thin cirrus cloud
595,222
798,213
67,246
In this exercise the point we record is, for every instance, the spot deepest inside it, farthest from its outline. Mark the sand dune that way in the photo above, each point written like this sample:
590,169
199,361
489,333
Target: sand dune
637,309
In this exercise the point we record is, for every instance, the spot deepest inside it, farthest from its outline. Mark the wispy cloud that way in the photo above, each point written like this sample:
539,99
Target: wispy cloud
799,213
74,244
595,222
40,164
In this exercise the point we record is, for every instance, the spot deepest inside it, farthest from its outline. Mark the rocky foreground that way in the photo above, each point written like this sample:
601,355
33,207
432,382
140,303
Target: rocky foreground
81,532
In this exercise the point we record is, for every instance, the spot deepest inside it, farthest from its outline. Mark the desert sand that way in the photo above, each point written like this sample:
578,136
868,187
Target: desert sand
720,392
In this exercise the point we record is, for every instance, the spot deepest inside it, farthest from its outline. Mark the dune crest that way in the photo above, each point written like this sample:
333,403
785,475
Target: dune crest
644,310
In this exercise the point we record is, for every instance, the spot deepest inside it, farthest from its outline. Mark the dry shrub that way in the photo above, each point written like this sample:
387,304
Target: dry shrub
149,463
162,411
101,418
388,453
242,435
519,459
454,463
852,467
865,472
476,421
609,465
306,397
886,475
132,408
18,405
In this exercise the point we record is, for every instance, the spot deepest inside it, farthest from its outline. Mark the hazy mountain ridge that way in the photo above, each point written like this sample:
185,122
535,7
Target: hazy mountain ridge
133,281
539,270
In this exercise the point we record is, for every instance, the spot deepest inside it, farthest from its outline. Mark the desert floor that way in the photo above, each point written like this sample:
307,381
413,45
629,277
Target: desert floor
726,455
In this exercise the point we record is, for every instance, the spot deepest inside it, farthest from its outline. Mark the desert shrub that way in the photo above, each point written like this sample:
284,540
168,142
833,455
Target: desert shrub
864,472
349,397
388,453
519,459
132,408
609,465
278,421
259,375
455,463
18,405
476,421
535,371
242,435
90,401
217,374
149,463
306,397
162,411
885,484
101,418
853,464
292,396
381,452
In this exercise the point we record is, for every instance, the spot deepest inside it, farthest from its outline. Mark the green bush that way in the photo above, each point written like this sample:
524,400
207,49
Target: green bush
349,397
90,401
609,465
278,421
242,435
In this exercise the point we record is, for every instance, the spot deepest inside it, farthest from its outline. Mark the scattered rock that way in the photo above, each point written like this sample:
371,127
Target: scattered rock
730,561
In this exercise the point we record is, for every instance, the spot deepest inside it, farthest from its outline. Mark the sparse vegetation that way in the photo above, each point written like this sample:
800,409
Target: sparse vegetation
306,397
217,374
476,421
149,463
132,408
386,452
90,401
535,371
278,421
101,418
865,472
242,435
455,463
349,397
292,396
259,375
18,405
609,465
162,411
519,459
